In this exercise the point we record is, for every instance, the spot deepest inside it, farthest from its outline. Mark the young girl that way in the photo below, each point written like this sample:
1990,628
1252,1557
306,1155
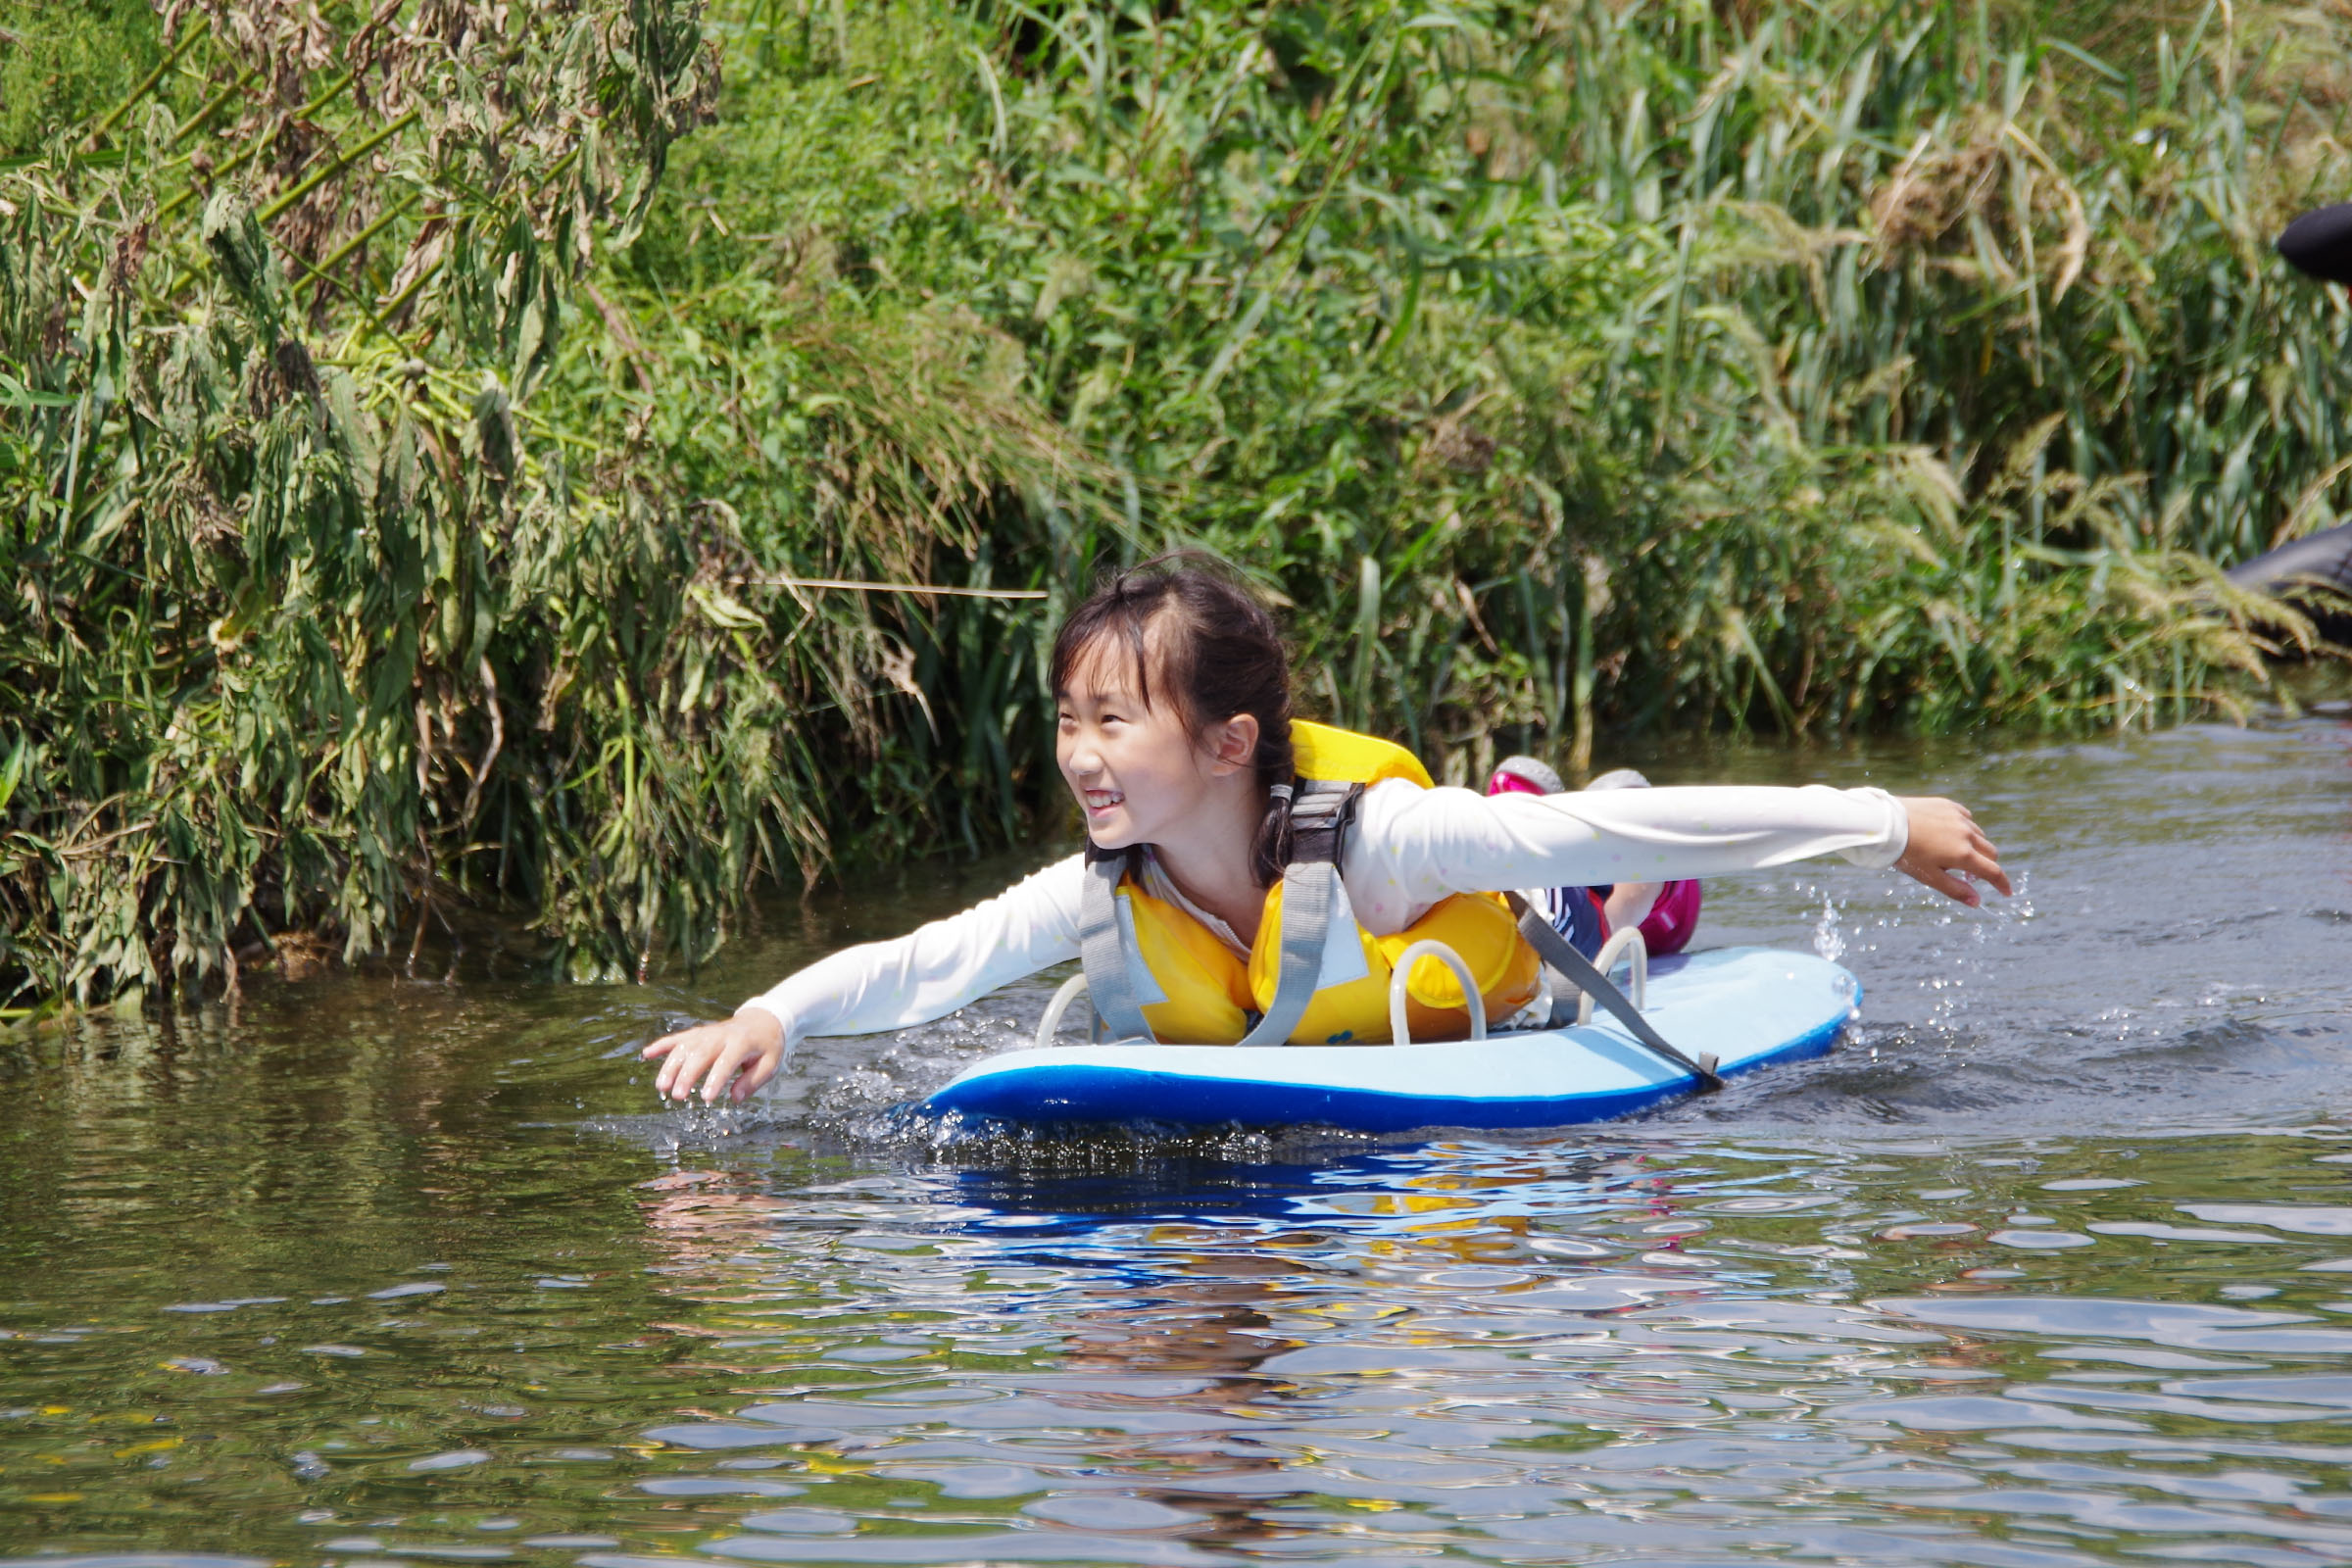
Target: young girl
1204,807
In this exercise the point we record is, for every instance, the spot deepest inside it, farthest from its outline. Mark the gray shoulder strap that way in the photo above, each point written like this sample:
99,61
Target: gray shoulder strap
1102,955
1306,901
1556,950
1319,817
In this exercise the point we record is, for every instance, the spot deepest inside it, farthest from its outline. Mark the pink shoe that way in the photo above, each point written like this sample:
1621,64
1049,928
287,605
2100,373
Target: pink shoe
1674,919
1524,775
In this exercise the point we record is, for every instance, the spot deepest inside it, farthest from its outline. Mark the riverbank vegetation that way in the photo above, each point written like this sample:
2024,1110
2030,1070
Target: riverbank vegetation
427,434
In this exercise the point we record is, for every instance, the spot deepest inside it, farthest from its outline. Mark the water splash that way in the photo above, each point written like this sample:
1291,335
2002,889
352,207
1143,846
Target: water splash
1827,941
692,1124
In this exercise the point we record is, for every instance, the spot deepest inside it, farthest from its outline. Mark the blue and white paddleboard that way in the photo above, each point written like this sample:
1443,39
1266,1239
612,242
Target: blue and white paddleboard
1748,1005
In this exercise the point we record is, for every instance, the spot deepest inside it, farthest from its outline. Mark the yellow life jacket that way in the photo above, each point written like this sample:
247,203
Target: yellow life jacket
1190,988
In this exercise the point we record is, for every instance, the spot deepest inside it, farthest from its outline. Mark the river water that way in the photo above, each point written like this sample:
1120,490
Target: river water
2049,1263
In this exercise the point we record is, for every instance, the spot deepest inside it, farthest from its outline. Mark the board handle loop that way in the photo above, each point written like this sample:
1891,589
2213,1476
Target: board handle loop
1050,1024
1626,943
1400,1029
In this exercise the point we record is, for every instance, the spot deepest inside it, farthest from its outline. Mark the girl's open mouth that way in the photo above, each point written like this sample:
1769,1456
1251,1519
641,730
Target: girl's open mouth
1102,800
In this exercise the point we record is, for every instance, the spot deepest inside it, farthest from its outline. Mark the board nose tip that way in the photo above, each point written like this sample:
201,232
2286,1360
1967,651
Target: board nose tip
2320,243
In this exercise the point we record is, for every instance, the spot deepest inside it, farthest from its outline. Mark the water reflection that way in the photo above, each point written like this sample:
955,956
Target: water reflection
1556,1349
1644,1347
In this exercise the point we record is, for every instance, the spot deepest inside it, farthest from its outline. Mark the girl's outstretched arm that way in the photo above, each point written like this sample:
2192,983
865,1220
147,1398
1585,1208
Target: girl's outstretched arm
925,974
1412,847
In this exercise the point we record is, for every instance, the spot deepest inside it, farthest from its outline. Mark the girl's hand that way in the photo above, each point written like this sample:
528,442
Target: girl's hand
1945,839
746,1049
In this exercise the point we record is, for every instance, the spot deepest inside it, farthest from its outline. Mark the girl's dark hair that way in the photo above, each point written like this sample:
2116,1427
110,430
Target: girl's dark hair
1220,654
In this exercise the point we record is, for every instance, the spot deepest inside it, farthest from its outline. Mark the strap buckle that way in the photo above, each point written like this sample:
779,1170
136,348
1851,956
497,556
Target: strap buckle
1321,813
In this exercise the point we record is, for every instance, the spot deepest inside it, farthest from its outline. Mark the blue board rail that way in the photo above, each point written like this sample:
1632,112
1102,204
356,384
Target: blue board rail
1748,1005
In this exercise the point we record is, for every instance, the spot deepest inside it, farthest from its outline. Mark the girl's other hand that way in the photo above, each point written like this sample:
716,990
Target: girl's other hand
1945,839
1630,903
744,1049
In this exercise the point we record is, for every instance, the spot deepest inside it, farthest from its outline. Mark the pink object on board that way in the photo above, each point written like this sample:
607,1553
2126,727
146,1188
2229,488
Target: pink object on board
1672,921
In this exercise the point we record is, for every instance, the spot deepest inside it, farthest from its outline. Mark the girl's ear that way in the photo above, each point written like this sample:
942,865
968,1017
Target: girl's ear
1233,744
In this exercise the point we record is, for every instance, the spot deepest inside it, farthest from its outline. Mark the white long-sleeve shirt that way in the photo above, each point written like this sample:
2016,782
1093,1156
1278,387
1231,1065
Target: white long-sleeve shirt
1409,849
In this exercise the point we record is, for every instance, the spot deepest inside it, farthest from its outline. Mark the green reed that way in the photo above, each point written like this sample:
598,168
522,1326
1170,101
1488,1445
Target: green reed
1804,368
421,446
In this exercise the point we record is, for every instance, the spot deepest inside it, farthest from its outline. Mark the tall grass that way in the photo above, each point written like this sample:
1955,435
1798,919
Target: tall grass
1799,368
421,445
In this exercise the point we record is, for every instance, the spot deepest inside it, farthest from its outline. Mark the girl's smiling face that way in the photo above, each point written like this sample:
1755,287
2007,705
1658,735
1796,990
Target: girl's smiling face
1137,768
